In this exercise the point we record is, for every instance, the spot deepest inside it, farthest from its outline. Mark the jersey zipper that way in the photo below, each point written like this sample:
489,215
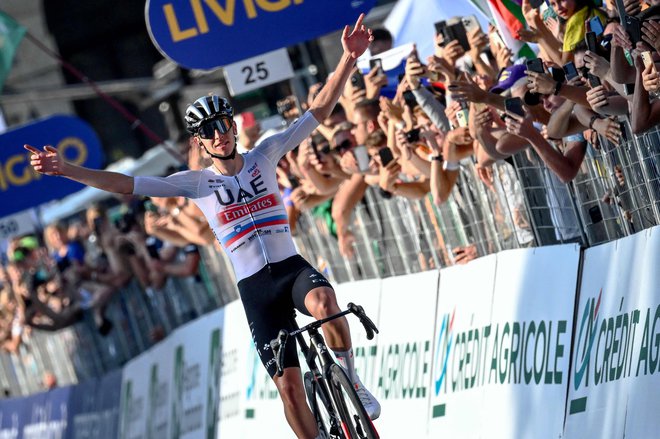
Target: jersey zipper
256,228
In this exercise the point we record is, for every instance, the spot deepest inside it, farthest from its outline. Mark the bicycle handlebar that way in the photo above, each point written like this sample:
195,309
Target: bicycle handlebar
369,326
277,345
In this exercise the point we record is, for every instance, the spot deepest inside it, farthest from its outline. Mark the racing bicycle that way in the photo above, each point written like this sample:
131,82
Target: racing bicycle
334,402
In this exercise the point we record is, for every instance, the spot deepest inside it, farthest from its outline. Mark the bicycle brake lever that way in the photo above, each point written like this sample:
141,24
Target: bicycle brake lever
277,346
369,326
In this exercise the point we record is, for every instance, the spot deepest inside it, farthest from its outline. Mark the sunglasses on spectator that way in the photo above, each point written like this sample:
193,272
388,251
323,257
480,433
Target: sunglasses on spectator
343,147
19,254
207,129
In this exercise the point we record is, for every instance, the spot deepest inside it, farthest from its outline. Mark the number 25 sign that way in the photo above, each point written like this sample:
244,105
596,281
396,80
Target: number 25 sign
258,71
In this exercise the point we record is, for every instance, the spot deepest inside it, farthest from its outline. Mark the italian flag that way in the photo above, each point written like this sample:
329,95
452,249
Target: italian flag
509,19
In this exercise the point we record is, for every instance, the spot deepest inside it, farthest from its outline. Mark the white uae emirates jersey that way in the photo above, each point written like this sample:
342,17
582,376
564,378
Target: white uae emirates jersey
245,211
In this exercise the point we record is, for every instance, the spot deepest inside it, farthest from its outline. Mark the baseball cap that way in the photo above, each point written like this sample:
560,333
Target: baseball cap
508,77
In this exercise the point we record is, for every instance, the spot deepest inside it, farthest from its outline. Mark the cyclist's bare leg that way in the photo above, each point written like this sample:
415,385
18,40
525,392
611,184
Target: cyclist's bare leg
321,302
296,410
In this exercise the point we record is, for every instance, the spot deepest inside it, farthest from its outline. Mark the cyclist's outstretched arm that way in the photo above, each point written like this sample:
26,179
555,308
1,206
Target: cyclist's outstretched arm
50,162
354,44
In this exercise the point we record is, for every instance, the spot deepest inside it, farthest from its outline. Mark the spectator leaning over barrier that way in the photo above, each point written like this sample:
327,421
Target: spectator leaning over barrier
232,193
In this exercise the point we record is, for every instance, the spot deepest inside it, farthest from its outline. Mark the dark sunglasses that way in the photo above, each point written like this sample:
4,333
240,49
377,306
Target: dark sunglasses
343,147
207,129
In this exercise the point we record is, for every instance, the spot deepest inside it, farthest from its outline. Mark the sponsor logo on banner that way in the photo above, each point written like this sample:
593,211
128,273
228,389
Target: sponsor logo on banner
157,416
503,353
609,348
186,31
213,384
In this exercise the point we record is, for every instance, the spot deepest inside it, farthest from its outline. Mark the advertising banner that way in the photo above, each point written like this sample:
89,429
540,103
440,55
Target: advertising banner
24,187
461,321
205,34
94,407
613,388
526,357
46,415
404,357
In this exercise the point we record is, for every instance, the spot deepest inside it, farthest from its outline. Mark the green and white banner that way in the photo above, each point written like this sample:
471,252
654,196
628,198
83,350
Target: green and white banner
615,378
502,341
407,314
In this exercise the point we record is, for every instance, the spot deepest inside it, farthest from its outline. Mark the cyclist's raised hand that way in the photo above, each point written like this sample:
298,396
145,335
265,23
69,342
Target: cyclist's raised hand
47,162
357,41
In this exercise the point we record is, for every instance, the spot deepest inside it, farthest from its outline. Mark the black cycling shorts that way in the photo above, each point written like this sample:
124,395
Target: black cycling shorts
269,297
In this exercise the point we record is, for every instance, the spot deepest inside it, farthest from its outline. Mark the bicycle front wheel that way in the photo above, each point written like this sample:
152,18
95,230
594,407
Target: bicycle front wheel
355,421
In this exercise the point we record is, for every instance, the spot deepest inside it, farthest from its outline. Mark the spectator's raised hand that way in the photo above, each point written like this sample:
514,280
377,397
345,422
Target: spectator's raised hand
459,136
388,176
483,119
47,162
608,128
596,64
440,70
528,35
503,57
541,83
520,126
478,42
356,42
651,79
632,7
431,139
467,90
452,52
451,110
298,197
620,38
402,144
374,82
531,14
651,34
552,23
349,164
414,72
598,98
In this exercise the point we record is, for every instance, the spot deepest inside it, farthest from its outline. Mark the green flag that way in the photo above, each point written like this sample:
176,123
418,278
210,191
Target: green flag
11,34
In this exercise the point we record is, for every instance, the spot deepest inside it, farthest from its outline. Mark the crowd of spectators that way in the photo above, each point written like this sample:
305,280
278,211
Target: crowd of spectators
75,268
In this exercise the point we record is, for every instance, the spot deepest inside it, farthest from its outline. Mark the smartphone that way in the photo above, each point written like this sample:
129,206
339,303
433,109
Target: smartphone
457,32
470,23
377,63
634,28
628,89
535,65
441,29
515,106
624,133
412,136
497,38
152,247
558,74
409,98
570,70
596,26
536,3
648,59
590,40
98,222
594,81
386,155
362,157
463,115
357,80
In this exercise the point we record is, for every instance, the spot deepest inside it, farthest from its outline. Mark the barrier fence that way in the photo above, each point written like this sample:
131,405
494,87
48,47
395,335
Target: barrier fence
615,194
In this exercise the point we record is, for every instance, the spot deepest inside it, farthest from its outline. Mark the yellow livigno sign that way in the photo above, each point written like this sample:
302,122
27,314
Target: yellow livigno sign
16,169
225,15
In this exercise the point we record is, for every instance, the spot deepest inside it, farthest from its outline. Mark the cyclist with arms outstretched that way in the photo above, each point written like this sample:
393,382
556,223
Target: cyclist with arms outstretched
240,199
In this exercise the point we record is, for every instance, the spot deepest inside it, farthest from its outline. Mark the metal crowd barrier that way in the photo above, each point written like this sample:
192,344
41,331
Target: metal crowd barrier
616,193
